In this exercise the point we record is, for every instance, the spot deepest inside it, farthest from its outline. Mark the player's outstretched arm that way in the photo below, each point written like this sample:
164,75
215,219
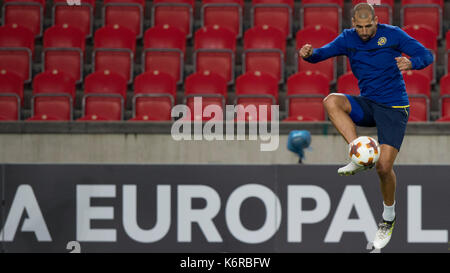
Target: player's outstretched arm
314,55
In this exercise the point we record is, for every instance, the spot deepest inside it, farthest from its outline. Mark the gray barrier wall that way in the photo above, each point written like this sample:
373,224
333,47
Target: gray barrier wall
217,208
161,148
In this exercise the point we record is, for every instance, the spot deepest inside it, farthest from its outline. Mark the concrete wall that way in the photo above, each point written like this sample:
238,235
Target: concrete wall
161,148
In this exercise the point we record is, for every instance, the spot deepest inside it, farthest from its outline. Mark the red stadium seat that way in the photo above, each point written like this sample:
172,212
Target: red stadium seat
444,85
307,83
419,108
11,95
340,3
447,50
9,107
444,119
383,11
444,98
348,84
274,13
224,13
215,49
54,82
53,96
64,51
125,13
317,36
176,13
305,93
322,12
114,49
416,83
254,91
426,12
264,50
211,87
418,87
79,16
164,50
428,71
154,96
16,50
426,36
104,96
25,13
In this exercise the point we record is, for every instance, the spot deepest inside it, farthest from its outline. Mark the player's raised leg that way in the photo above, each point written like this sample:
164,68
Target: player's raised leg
388,180
338,109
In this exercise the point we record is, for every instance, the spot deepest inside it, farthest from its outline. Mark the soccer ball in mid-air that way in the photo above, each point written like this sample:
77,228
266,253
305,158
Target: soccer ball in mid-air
364,151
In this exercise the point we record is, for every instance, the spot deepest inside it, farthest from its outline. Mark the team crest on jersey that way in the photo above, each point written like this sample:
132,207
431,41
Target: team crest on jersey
382,41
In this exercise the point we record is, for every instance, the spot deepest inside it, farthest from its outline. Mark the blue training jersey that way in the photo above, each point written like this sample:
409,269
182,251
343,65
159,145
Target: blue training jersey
373,62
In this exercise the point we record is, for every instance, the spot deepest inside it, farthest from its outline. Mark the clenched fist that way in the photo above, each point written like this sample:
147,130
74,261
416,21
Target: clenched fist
403,63
306,51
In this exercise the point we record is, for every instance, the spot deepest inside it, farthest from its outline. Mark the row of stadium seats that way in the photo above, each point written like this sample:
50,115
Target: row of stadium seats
165,50
154,95
65,49
225,13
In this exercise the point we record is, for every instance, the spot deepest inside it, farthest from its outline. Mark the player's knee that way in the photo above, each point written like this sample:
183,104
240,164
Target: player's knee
383,168
331,102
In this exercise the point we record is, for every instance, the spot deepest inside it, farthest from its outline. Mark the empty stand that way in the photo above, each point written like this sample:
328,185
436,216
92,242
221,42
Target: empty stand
419,109
418,87
426,12
215,49
25,13
166,46
114,49
426,36
11,96
212,88
322,12
348,84
305,94
255,91
224,13
79,16
317,36
444,99
53,96
104,96
154,96
416,83
176,13
64,51
16,50
164,50
125,13
274,13
447,50
264,50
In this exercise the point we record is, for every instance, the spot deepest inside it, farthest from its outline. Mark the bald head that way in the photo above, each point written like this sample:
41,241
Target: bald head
364,21
363,11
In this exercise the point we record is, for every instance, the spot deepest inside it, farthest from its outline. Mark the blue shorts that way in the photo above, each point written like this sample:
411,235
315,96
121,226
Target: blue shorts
390,122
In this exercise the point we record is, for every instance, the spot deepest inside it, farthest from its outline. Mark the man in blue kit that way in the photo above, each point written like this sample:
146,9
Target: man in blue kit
374,51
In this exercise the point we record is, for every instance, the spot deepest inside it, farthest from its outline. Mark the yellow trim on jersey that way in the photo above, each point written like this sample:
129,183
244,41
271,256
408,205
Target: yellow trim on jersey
405,106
